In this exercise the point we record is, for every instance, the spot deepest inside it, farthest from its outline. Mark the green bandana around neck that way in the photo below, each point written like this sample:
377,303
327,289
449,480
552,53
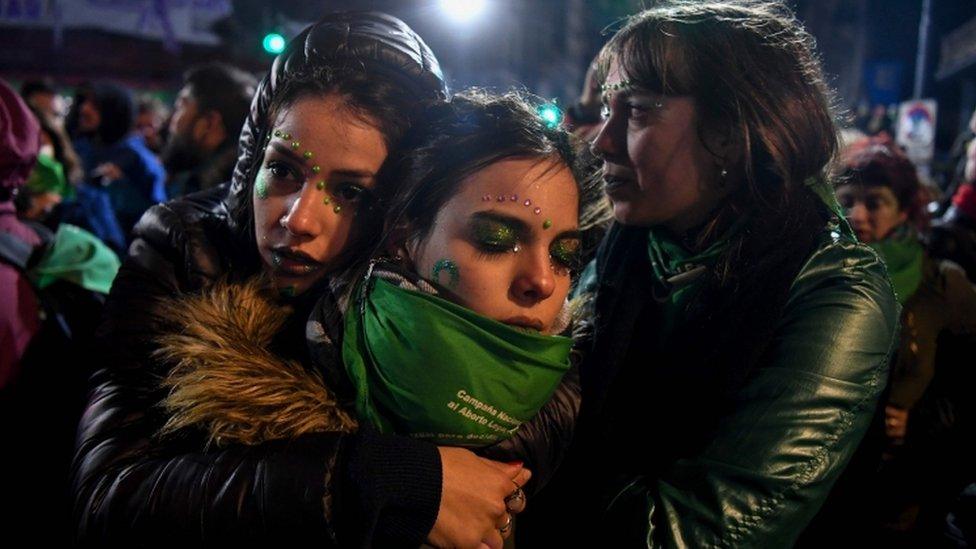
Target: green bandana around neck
902,253
430,369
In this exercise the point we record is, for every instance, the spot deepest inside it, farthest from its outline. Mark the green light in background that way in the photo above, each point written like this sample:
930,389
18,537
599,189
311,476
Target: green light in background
274,43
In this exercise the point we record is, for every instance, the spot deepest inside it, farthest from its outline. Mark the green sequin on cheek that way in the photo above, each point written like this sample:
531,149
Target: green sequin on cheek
261,186
449,267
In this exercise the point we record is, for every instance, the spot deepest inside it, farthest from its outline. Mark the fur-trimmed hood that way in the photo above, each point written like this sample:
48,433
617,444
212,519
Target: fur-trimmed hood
225,380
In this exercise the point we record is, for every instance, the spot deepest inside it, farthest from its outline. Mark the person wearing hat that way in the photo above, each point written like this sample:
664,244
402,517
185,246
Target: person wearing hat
299,210
20,139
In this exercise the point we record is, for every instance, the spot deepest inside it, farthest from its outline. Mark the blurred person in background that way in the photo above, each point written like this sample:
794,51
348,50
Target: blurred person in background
19,318
151,118
928,425
953,236
52,287
42,97
583,118
119,160
201,146
55,177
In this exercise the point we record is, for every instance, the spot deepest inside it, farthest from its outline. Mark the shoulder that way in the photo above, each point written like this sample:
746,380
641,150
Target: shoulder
190,232
841,310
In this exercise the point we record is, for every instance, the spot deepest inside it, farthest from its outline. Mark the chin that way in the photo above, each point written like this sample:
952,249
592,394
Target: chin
625,214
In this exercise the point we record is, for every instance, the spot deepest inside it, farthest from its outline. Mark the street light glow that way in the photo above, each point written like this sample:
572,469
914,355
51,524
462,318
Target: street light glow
463,11
273,43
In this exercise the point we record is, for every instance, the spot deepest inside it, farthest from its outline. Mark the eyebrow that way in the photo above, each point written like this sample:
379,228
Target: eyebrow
352,173
519,225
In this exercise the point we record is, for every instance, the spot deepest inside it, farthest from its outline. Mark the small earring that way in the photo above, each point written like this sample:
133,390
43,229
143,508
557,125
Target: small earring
724,173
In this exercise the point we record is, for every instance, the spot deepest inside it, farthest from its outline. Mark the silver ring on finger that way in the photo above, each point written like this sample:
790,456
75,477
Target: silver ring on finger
517,496
507,526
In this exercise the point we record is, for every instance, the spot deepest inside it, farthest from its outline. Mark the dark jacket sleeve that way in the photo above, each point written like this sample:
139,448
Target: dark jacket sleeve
794,425
131,487
542,442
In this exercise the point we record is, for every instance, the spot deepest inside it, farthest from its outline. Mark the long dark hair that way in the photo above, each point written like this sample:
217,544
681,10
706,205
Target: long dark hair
751,69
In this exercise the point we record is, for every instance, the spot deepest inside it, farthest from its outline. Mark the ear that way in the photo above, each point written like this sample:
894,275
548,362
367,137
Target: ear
400,243
215,132
723,145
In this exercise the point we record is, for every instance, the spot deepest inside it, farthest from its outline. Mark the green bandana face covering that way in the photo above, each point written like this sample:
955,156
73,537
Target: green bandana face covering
427,368
902,253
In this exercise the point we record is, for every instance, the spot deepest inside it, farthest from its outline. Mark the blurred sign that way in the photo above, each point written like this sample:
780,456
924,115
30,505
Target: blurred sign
916,129
883,80
172,21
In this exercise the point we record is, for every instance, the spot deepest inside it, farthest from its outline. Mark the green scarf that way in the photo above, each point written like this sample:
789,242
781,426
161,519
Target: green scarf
678,272
77,256
902,253
428,368
48,176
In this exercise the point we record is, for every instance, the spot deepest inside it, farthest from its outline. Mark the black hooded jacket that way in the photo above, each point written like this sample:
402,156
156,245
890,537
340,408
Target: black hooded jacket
132,487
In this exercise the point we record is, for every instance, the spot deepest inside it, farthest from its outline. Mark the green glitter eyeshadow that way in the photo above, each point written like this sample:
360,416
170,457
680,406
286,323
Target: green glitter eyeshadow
494,234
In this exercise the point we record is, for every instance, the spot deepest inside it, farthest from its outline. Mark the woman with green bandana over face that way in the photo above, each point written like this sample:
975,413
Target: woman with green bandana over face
925,462
453,335
740,332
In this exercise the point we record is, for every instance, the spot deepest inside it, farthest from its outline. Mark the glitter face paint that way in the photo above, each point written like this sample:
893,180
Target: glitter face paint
493,236
261,186
451,268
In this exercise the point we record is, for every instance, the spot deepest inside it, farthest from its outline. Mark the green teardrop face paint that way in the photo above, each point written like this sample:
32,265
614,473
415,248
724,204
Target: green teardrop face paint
261,185
448,267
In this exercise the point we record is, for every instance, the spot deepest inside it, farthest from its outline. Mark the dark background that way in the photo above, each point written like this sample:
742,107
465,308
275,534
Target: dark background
869,47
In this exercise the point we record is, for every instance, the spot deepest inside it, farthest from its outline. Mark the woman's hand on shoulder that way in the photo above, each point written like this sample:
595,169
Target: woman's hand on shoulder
473,509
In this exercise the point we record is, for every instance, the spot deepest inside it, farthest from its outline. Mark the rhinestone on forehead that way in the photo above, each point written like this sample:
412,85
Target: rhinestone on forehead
616,86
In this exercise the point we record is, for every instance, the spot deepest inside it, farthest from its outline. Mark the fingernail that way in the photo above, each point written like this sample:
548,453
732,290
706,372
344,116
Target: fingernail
517,463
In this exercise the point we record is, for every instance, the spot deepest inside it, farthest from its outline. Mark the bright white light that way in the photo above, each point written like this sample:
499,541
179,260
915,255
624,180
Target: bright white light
463,11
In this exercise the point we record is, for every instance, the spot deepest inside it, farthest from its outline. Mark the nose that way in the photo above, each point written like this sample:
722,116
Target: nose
608,144
858,214
306,214
534,280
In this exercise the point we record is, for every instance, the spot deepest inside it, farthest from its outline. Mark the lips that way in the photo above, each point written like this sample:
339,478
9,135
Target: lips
525,322
615,178
288,261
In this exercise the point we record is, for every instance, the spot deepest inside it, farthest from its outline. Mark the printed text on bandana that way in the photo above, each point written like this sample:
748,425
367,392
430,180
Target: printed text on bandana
483,413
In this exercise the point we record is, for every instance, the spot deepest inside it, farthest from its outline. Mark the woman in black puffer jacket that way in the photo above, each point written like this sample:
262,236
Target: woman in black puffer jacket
131,485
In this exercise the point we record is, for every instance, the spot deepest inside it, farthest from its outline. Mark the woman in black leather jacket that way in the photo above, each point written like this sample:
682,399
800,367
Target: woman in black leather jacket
132,486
